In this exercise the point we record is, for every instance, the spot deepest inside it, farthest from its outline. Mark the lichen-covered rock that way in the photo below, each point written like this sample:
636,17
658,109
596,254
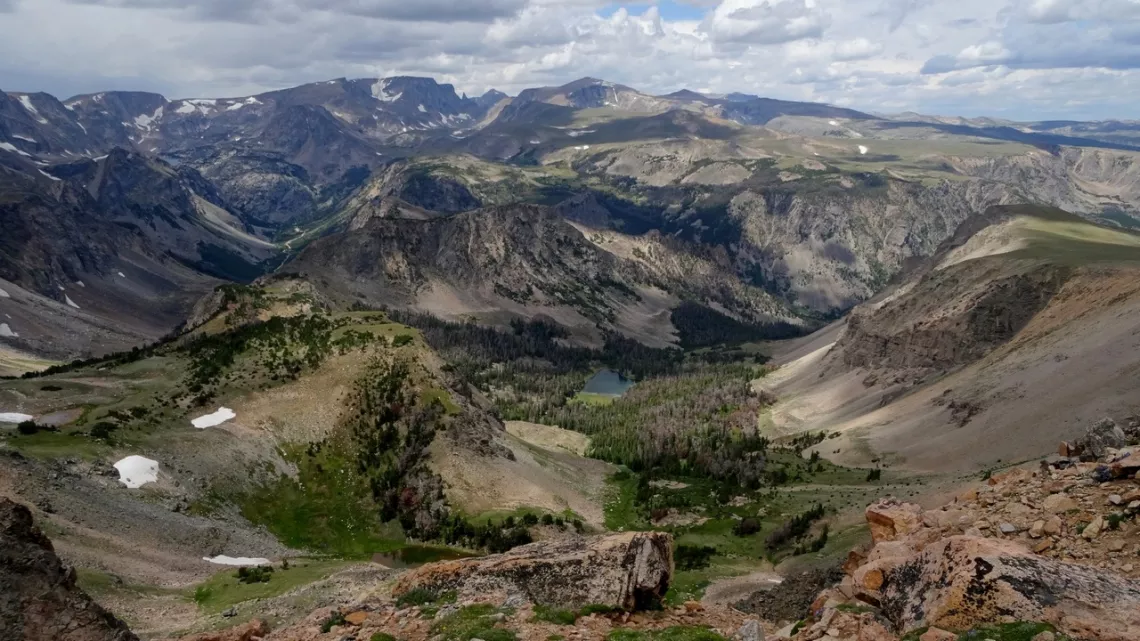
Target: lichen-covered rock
1101,436
39,600
630,570
963,580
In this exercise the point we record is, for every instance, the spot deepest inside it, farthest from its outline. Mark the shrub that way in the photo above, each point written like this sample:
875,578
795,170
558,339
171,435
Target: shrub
335,619
554,615
874,475
260,574
402,339
27,428
382,636
693,557
103,430
418,596
793,528
548,519
746,527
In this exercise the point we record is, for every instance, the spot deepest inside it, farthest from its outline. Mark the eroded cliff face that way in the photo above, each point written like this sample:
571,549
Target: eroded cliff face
39,600
953,317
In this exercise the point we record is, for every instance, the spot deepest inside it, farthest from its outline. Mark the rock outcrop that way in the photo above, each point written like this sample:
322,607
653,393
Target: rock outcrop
39,600
958,582
1054,546
630,571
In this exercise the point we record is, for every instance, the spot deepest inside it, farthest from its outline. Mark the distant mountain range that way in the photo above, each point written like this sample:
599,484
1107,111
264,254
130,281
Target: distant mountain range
782,211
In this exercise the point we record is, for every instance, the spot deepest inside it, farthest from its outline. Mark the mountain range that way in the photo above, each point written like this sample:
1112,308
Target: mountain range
789,212
330,331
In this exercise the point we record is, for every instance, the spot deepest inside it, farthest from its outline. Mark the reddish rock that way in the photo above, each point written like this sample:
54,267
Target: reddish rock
938,634
854,560
890,519
356,618
964,580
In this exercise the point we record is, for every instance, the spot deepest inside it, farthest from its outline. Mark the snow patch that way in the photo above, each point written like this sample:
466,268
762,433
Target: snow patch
144,121
80,283
27,102
98,158
579,132
7,146
421,108
582,147
186,108
863,150
380,91
236,561
235,106
212,420
24,138
48,175
6,332
252,101
121,274
136,471
14,417
4,294
70,302
833,123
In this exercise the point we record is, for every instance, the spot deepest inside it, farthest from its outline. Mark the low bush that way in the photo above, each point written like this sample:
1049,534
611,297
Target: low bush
693,557
260,574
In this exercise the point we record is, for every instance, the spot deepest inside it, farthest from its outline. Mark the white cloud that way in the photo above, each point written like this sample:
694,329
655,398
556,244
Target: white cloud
763,22
872,54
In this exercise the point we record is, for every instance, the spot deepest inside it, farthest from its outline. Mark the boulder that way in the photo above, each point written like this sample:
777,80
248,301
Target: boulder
630,571
1101,437
39,600
890,519
962,580
1058,503
750,631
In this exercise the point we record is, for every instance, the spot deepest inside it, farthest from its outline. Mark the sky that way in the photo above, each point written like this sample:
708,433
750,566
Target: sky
1019,59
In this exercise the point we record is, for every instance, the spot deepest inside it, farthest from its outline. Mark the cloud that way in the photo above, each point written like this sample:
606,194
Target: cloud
761,22
1055,34
224,10
423,10
446,11
1008,56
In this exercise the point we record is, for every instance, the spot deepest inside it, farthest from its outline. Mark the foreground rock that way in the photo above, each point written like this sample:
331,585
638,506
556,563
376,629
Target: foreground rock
629,571
977,561
39,600
958,582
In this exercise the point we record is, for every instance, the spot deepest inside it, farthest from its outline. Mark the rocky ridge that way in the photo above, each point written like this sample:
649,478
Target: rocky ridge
1056,545
39,600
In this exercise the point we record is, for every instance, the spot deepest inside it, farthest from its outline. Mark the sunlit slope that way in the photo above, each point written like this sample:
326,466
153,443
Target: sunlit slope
1018,333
